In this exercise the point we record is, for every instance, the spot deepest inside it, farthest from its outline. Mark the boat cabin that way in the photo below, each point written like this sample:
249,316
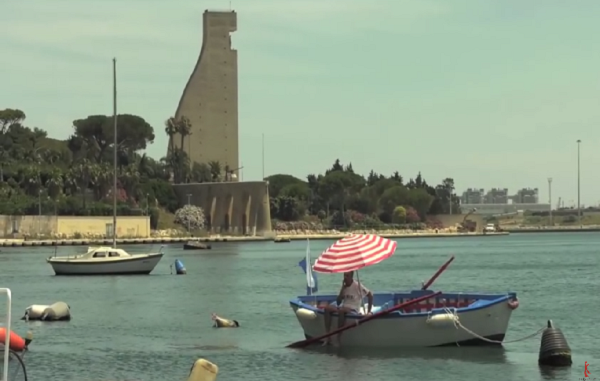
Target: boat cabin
104,252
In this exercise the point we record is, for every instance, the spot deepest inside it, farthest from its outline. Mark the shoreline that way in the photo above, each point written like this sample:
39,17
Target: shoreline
565,229
282,238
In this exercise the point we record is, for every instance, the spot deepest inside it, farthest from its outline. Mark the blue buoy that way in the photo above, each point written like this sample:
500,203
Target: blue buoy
180,268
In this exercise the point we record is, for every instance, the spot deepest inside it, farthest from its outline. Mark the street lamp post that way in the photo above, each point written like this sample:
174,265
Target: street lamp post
550,201
189,196
39,212
579,181
147,204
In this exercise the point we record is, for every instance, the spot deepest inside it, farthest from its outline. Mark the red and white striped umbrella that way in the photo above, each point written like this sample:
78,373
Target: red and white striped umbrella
354,252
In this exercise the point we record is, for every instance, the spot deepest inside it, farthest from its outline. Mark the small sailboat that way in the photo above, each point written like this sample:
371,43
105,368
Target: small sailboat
108,260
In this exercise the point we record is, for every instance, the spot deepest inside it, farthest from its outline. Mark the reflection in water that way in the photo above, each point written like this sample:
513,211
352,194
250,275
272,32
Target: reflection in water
481,355
551,373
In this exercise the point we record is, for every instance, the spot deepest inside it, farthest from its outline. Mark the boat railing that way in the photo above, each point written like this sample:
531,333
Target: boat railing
9,356
7,327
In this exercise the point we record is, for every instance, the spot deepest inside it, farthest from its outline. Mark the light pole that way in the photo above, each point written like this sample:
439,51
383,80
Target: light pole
579,181
39,212
550,201
189,196
263,157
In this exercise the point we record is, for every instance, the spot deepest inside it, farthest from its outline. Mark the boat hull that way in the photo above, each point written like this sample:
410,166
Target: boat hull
126,266
490,321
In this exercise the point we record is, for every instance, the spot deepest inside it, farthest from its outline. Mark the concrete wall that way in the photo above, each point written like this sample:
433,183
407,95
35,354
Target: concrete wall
451,220
210,98
69,226
238,208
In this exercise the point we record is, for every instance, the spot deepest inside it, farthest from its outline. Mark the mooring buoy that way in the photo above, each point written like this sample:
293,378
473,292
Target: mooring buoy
554,349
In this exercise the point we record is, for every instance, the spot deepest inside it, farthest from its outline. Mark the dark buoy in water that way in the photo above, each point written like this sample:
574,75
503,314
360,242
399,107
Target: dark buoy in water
180,268
554,349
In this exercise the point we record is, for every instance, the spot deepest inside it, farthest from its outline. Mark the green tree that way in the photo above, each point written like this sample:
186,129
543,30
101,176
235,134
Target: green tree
391,198
9,117
399,215
96,133
201,173
281,181
420,200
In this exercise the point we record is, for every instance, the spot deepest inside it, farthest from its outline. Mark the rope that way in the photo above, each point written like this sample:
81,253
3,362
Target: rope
458,324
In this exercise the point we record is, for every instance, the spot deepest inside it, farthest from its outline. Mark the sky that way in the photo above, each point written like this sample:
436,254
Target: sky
490,93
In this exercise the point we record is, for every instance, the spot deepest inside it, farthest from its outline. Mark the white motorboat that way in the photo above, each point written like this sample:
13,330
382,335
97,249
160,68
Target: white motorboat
105,260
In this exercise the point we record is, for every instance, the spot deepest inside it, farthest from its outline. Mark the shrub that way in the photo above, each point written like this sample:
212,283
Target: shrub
191,217
412,216
399,215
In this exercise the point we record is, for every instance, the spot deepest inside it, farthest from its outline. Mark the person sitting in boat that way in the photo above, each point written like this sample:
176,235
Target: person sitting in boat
349,301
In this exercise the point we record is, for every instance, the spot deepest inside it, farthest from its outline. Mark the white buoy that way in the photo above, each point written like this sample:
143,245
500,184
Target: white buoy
57,311
442,320
203,370
34,312
307,314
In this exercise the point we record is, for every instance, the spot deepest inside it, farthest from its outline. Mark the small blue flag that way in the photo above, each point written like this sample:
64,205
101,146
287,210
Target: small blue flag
312,285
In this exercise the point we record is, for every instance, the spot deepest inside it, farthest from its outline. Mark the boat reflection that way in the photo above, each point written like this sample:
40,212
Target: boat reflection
550,373
479,355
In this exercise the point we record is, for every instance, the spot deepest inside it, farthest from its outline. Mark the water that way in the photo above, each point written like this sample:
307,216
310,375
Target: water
154,327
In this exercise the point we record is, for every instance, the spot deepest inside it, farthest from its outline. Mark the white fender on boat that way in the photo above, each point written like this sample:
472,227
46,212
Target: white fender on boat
203,370
34,312
57,311
304,313
442,320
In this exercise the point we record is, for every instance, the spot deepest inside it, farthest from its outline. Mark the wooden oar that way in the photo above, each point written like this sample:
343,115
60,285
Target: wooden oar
307,342
437,274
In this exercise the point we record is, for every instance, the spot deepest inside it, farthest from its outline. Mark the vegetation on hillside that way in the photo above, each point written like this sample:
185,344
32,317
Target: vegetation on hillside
41,175
344,199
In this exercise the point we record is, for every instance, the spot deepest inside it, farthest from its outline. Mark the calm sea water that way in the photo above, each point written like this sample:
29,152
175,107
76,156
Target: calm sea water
154,327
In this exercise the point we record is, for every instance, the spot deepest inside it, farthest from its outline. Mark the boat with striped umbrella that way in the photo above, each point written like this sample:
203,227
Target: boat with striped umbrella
417,318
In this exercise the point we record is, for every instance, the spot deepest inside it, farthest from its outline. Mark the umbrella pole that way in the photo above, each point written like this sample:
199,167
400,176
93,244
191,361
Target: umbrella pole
362,302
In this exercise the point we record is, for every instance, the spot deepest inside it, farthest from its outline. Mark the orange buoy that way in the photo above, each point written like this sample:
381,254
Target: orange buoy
17,343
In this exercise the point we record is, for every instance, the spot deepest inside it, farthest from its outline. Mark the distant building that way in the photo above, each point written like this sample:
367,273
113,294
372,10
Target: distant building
472,196
498,201
499,209
496,196
526,196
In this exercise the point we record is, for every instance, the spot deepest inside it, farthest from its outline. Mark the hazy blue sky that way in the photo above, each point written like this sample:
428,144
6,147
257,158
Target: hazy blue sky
489,92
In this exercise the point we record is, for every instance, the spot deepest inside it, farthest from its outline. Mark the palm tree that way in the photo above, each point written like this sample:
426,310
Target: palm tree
55,183
81,175
215,170
130,179
184,128
101,180
29,179
171,129
179,164
201,173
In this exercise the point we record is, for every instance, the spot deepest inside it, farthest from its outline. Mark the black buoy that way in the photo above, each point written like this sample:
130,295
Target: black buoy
554,349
